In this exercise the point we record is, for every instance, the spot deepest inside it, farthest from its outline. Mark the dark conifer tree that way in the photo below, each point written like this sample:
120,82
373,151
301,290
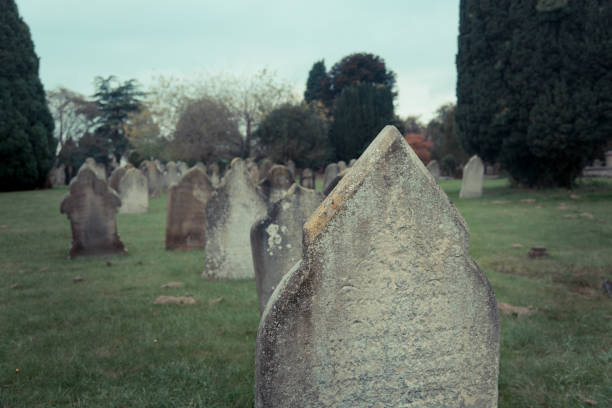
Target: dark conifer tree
315,83
27,144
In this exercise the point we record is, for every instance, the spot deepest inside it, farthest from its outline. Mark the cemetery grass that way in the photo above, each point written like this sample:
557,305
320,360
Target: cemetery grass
101,342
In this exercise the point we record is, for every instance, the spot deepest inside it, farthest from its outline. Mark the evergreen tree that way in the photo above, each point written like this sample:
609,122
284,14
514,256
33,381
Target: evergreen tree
315,83
534,85
27,144
360,112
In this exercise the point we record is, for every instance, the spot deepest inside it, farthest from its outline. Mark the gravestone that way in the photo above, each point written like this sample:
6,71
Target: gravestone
331,171
115,177
264,168
154,177
609,158
230,213
385,308
341,165
434,169
276,239
330,187
172,174
57,176
214,175
134,192
307,179
186,212
253,170
276,183
91,206
471,183
97,168
291,167
352,162
182,167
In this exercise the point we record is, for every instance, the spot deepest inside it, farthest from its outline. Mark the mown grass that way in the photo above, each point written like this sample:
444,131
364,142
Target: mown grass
101,342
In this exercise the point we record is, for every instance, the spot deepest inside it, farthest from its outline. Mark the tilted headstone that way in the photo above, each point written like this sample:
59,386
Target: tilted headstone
91,206
434,169
57,175
154,177
230,213
276,239
186,212
98,168
265,166
386,308
330,187
307,179
214,175
341,166
331,171
471,183
134,192
276,183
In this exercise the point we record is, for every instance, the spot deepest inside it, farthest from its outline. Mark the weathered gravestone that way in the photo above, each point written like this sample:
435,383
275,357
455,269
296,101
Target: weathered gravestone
253,170
172,174
332,184
214,174
609,158
352,162
116,175
97,168
134,192
276,183
91,206
434,169
264,168
276,239
341,165
331,171
186,212
291,167
471,183
154,177
57,175
307,179
386,308
182,167
230,213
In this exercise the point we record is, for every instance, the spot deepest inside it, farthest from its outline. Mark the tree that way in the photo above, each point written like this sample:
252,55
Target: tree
534,85
360,112
143,135
27,144
316,82
206,130
72,113
420,145
294,132
442,131
116,102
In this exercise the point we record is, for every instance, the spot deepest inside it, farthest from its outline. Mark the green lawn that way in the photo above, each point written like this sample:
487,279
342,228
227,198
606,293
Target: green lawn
101,342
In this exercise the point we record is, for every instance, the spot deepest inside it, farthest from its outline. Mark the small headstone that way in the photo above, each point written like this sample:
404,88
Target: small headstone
331,171
352,162
230,213
91,206
291,167
182,167
134,192
434,169
97,168
154,177
307,179
471,183
276,239
276,183
186,212
264,168
173,175
386,308
330,187
58,175
214,175
341,165
253,170
116,176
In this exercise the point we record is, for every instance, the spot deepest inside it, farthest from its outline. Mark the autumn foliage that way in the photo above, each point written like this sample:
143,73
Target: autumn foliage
420,145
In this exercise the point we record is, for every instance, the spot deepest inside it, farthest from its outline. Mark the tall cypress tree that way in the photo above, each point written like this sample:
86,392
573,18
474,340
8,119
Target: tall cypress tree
315,83
534,85
27,144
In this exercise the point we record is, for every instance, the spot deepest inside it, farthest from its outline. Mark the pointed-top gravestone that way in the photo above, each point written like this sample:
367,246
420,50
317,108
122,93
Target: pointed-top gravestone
307,179
276,239
434,169
471,183
230,213
386,308
134,192
276,183
331,171
91,206
186,212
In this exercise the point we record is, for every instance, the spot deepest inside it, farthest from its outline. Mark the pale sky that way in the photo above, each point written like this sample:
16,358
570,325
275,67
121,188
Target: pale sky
78,40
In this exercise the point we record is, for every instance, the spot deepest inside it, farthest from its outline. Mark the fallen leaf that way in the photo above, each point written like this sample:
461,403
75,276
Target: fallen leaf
172,285
511,310
215,301
174,300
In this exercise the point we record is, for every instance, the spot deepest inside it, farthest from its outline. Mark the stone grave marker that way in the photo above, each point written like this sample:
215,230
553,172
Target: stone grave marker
154,177
276,239
214,175
253,170
330,187
134,192
385,308
57,175
434,169
291,167
115,177
264,168
91,206
471,183
331,171
352,162
97,168
186,212
276,183
307,179
230,213
341,166
182,167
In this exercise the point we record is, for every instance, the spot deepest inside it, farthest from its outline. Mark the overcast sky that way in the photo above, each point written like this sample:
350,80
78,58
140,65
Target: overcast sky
77,40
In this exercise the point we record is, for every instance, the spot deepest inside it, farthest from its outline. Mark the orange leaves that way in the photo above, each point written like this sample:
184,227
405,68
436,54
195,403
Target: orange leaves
420,145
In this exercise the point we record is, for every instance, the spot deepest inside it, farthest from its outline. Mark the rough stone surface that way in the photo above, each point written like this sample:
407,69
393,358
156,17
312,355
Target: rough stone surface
434,169
186,212
276,239
153,174
473,173
134,192
307,179
331,171
91,206
230,213
386,308
276,183
97,168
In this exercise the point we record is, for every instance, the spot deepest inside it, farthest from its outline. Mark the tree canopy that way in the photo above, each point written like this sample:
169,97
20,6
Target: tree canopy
27,143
